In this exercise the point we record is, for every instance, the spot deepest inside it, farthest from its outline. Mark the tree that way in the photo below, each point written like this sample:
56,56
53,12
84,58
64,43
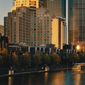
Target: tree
55,58
15,58
4,51
5,57
36,59
26,58
74,58
81,57
46,59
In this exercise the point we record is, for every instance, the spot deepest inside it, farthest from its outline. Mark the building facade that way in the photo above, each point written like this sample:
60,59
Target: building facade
76,20
1,30
27,3
29,25
57,32
56,7
32,25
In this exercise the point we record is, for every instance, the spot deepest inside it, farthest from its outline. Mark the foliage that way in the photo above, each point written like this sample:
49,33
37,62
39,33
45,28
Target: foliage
5,57
81,57
46,59
26,59
4,51
74,58
36,59
15,58
55,58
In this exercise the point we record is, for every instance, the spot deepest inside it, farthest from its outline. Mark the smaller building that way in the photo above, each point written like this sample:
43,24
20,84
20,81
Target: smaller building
79,46
1,30
3,42
57,31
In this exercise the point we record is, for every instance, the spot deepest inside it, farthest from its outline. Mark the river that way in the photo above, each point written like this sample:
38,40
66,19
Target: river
67,77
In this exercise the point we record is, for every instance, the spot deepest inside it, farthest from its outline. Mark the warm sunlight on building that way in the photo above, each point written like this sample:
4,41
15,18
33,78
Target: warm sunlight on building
27,3
57,32
1,30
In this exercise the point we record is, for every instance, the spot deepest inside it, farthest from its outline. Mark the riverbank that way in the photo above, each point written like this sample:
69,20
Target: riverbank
41,71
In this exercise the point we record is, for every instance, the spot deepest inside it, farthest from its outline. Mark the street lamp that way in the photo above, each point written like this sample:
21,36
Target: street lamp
78,47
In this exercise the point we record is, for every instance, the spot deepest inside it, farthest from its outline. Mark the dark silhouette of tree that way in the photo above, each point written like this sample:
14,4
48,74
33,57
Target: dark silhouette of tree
54,58
74,58
26,59
37,59
15,59
81,57
46,59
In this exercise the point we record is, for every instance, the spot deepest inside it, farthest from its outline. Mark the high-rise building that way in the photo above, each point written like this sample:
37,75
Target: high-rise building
76,20
56,7
27,3
33,27
28,25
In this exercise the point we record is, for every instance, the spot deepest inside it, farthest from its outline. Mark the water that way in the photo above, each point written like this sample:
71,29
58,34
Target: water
49,78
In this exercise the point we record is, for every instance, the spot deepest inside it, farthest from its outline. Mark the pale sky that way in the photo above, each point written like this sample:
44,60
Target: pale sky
5,7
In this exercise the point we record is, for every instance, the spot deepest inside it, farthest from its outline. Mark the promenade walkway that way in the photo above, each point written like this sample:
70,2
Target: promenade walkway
20,73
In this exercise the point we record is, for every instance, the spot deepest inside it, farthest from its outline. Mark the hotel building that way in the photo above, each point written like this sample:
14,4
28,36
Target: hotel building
28,25
34,27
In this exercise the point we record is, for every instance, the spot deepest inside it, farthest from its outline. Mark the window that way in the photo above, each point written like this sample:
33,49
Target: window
44,42
14,17
14,35
47,17
44,17
44,31
44,39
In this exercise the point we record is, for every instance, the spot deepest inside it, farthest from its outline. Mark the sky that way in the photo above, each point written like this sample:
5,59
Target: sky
5,7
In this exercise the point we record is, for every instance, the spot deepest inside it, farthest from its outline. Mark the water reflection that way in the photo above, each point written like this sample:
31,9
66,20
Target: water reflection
10,80
46,76
58,78
77,78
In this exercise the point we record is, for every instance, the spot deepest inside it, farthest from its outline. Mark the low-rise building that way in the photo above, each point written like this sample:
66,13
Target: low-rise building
3,42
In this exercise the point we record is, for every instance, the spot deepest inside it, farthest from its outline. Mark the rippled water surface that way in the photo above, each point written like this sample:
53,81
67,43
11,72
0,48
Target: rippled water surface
49,78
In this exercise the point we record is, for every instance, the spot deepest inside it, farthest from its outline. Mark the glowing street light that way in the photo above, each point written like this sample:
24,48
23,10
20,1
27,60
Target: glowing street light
78,47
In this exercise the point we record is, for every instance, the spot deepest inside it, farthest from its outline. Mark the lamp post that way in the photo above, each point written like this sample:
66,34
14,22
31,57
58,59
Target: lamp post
78,47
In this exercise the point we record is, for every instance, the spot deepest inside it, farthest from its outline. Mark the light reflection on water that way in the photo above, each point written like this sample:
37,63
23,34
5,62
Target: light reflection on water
9,81
57,78
48,78
77,78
